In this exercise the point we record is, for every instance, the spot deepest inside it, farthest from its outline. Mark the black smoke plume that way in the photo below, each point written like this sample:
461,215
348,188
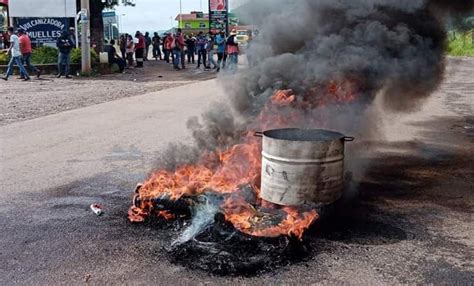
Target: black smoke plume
388,48
391,48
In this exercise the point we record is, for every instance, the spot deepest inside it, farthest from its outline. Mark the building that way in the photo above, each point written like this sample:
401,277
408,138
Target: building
199,21
3,15
4,23
194,22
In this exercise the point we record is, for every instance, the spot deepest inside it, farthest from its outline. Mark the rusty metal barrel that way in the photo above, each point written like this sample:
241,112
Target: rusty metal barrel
300,166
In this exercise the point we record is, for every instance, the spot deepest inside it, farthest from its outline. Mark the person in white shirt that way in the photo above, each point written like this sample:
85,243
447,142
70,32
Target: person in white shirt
15,52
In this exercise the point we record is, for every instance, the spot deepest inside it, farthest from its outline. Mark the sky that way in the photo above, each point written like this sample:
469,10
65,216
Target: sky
157,15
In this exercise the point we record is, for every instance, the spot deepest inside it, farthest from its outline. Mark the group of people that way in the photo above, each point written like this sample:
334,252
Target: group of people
173,48
130,47
19,47
177,49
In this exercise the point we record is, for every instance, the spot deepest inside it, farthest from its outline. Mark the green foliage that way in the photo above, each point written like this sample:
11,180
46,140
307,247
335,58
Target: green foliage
44,55
4,58
49,55
76,56
461,44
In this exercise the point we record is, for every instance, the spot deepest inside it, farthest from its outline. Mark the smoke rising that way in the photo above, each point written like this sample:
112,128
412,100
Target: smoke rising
394,46
393,49
203,216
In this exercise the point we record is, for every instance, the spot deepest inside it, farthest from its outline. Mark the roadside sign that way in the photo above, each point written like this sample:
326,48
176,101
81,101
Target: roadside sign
108,14
43,30
109,18
218,16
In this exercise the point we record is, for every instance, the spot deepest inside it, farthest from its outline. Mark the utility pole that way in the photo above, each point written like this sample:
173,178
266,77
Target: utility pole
85,42
180,14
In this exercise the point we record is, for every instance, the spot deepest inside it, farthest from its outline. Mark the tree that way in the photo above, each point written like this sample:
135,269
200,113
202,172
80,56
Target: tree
96,22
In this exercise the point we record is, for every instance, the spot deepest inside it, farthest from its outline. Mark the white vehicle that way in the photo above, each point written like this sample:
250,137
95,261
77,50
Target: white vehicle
242,38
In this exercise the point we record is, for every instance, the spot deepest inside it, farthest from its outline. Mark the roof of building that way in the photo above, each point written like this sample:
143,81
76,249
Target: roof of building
192,16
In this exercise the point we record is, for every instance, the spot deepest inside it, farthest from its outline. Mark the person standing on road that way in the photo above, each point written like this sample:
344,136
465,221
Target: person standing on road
123,45
15,52
168,44
129,50
201,43
233,50
26,50
72,36
6,40
191,44
64,45
147,45
156,41
211,51
220,42
139,49
178,50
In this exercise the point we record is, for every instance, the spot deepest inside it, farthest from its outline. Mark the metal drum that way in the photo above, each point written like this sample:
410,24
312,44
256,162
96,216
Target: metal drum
301,166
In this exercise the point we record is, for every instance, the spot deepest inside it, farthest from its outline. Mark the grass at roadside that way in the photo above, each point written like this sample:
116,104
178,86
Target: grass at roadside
49,55
461,44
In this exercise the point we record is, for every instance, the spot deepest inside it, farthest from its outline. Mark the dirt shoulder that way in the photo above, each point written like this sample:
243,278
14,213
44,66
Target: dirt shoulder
48,95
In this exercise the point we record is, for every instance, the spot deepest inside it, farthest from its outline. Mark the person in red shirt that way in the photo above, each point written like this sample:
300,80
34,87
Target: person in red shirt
6,40
178,50
139,49
168,47
26,50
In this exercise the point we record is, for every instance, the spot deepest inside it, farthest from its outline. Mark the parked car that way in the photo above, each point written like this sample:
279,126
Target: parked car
242,38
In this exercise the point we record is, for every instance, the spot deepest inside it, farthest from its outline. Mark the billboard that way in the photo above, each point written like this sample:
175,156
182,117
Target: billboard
218,16
42,8
218,5
43,30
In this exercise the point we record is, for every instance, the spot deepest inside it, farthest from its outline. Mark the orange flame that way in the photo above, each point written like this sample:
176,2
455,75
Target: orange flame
283,97
224,171
167,215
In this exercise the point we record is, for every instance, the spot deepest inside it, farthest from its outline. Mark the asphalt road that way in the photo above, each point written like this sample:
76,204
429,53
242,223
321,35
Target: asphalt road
412,221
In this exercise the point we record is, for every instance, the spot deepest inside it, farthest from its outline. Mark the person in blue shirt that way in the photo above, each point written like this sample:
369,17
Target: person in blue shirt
201,43
211,51
220,42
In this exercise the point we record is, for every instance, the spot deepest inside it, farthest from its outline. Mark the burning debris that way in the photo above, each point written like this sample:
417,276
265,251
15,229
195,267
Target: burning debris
346,54
222,250
223,191
212,243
